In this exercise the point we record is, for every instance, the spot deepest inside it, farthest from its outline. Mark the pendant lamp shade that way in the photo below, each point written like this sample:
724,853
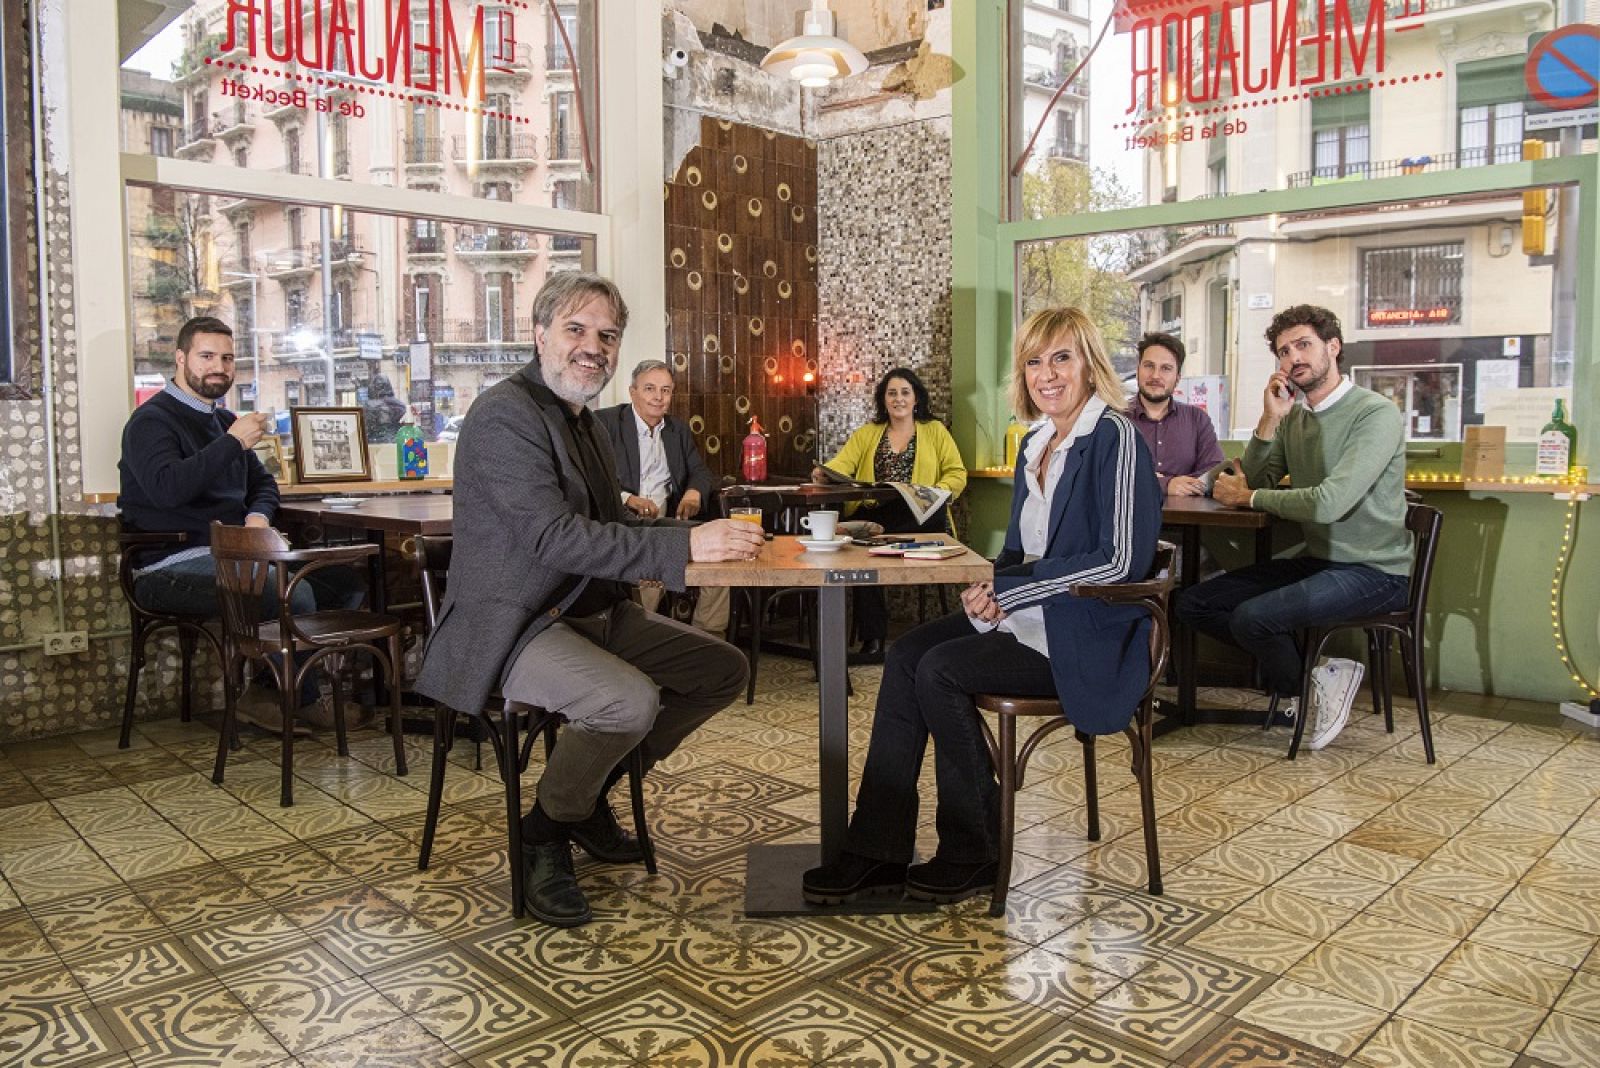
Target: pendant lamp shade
816,57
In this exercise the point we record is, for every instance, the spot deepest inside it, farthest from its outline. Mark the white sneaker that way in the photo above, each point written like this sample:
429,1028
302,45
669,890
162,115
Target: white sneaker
1333,690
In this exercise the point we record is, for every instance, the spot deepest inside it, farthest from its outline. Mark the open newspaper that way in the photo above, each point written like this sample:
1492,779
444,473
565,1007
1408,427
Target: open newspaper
922,500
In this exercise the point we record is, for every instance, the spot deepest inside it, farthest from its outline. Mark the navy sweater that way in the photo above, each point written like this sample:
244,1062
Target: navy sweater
181,469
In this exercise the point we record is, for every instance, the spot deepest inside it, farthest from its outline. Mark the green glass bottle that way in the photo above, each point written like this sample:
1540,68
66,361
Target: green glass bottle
413,452
1558,444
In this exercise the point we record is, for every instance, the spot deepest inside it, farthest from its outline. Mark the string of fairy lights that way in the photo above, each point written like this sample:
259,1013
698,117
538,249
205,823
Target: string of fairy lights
1558,587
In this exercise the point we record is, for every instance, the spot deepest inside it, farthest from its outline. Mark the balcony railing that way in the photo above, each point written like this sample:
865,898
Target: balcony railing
565,243
564,148
1421,164
341,162
471,241
1152,246
472,332
285,260
1041,78
410,328
518,61
424,150
197,131
425,244
556,57
1077,151
499,147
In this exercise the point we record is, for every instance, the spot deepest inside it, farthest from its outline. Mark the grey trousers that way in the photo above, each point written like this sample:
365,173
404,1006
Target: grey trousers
619,678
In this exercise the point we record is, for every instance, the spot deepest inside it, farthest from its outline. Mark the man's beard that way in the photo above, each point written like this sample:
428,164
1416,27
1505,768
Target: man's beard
571,393
210,391
1157,399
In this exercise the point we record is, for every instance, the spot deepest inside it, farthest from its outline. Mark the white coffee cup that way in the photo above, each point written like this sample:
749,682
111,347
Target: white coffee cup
822,524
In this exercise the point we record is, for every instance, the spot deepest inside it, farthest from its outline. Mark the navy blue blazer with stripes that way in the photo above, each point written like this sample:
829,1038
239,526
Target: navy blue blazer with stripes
1105,517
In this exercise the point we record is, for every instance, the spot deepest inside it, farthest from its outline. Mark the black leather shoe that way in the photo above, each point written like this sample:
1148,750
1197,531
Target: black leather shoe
603,838
944,881
872,647
850,876
549,888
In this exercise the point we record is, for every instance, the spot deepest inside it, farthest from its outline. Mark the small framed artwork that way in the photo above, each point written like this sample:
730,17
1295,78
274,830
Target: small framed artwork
269,450
330,444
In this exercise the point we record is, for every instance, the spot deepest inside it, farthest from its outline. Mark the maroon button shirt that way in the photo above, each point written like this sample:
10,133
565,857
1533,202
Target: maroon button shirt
1182,444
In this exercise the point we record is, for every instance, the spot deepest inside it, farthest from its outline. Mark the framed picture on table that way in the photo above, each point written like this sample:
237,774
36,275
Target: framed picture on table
330,444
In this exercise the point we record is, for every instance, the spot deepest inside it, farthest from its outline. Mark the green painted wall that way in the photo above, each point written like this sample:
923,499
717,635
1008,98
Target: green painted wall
1490,621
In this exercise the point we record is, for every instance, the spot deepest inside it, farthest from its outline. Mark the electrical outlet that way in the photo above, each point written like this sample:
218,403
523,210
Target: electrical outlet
67,641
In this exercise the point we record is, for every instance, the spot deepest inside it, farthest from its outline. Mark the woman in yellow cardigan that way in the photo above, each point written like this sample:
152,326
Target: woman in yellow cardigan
903,443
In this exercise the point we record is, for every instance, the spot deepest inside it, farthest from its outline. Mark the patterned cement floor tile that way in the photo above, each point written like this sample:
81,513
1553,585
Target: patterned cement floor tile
1542,941
72,1038
400,1044
1149,1019
291,972
1402,1043
1073,1043
188,1007
1255,945
1370,981
32,999
1566,1040
311,1019
1295,913
1478,1014
1236,1044
1500,972
821,1027
1313,1016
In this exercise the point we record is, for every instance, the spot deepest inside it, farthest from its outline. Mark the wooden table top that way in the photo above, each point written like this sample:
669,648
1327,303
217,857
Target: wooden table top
785,562
1205,512
422,514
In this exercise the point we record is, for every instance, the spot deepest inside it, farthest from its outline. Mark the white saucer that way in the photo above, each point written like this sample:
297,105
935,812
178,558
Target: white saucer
342,502
817,545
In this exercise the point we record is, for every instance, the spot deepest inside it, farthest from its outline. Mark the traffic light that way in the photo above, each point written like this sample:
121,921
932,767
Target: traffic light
1535,205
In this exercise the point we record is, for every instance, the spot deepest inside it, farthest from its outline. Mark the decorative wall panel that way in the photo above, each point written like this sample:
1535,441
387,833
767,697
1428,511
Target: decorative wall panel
741,216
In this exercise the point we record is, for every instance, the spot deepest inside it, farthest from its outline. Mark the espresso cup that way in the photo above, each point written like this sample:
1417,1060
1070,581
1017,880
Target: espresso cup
822,524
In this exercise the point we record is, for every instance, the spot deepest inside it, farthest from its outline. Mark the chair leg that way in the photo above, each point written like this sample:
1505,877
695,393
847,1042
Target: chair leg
1007,744
395,681
944,600
1091,789
1304,712
186,646
1375,670
288,699
508,751
444,726
135,666
340,736
1388,684
641,826
1143,769
1272,712
1411,654
230,705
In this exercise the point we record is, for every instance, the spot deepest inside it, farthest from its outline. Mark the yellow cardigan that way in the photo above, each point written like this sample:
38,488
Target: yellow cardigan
938,462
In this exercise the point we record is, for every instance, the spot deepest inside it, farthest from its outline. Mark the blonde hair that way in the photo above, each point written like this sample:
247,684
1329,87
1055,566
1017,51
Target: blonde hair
1039,333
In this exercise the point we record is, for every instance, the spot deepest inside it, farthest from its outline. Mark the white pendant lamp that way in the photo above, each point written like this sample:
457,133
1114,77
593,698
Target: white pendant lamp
816,57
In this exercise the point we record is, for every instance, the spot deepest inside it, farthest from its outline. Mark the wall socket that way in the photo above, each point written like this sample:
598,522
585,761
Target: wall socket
67,641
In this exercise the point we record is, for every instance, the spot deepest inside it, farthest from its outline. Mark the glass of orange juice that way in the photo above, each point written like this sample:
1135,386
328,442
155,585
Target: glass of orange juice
746,515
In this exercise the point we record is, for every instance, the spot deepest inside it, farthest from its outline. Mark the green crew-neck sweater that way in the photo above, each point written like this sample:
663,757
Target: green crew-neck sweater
1347,466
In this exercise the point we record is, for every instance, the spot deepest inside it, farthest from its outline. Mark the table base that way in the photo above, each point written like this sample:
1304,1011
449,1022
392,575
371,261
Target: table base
772,886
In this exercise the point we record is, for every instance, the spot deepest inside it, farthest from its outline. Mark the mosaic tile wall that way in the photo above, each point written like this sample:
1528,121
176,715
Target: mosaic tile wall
742,292
884,278
40,695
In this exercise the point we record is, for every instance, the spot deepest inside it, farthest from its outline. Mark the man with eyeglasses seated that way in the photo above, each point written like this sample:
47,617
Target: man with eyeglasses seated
1344,450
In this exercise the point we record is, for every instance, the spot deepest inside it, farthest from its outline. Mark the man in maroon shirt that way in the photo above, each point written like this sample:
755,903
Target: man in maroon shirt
1179,435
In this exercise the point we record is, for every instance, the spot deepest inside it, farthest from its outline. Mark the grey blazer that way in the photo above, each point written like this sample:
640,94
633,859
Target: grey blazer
688,470
522,529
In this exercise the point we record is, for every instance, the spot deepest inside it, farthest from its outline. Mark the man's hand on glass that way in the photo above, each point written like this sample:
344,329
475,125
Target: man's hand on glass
725,539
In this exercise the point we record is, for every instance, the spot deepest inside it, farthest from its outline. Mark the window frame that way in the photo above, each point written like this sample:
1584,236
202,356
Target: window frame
628,157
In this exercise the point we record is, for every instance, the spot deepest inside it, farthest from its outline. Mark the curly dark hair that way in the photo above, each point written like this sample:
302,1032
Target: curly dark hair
921,413
1321,320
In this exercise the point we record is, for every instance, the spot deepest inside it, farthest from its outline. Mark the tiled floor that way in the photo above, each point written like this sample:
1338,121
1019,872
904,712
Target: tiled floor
1355,906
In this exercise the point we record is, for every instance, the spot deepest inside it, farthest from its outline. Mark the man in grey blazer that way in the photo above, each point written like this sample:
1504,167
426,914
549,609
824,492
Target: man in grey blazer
661,471
537,602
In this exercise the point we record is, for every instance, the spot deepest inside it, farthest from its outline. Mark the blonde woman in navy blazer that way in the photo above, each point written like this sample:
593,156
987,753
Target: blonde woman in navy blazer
1086,509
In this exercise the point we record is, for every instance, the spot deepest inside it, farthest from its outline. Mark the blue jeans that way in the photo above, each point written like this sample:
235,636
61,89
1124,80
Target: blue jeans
190,588
929,678
1260,608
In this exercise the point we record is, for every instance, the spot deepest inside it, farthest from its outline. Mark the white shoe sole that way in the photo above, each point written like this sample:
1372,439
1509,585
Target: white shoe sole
1342,701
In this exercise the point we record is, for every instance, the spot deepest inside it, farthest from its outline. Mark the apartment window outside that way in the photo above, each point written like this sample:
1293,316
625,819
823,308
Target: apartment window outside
1419,285
493,315
1341,136
161,140
1489,96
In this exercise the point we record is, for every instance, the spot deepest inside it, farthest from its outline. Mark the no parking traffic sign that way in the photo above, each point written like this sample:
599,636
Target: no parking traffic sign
1563,68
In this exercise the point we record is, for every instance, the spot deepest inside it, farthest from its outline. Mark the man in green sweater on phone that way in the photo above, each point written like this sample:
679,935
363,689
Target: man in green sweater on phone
1344,451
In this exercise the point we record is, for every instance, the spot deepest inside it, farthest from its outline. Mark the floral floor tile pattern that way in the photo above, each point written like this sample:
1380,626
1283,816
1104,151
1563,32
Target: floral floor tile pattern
1355,907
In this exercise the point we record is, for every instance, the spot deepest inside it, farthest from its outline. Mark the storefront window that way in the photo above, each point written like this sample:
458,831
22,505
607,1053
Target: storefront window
1443,310
461,96
326,302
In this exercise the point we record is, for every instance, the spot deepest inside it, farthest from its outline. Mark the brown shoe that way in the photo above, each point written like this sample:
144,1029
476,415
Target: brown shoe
261,708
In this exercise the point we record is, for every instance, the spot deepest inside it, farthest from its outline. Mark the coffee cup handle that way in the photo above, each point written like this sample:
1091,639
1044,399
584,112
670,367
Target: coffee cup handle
805,522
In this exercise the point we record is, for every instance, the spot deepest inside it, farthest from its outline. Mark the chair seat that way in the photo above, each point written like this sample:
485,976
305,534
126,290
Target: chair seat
333,628
1004,705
